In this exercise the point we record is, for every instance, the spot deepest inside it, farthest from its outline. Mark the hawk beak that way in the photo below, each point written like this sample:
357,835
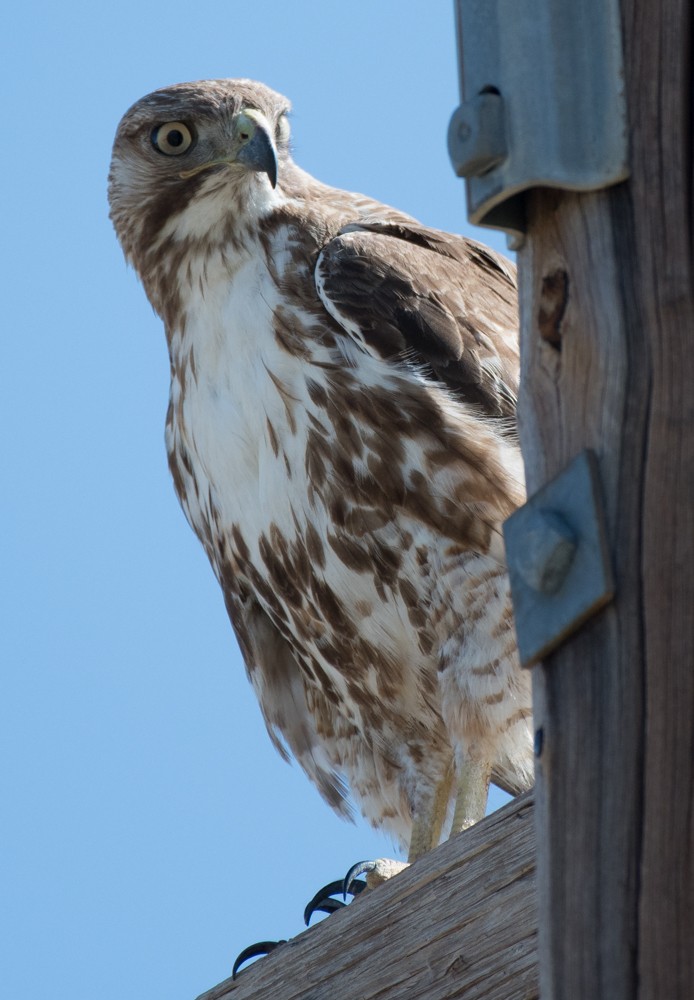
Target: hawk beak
256,148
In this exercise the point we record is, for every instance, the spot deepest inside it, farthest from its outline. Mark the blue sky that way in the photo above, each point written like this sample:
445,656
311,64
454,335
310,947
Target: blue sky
150,831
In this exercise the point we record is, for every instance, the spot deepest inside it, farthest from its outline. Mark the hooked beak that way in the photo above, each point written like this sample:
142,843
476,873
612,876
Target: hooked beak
257,149
252,146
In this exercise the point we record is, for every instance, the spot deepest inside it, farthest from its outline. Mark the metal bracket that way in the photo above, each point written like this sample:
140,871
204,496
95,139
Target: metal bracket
558,559
542,103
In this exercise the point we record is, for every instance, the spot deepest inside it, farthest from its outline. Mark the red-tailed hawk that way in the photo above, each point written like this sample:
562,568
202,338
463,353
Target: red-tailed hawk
341,434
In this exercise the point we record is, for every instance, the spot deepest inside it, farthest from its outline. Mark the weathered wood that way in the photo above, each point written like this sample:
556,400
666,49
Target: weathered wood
607,319
459,922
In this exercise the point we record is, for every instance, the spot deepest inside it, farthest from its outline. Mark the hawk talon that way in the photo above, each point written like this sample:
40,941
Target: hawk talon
252,951
320,904
360,868
377,872
323,902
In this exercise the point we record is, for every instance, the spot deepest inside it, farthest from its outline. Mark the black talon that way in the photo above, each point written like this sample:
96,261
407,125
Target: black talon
323,902
330,906
322,906
360,868
252,951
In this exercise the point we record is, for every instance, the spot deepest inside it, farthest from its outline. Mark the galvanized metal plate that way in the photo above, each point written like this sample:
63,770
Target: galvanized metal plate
542,103
558,559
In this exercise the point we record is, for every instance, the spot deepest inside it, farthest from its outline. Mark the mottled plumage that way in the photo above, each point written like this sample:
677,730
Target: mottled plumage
341,437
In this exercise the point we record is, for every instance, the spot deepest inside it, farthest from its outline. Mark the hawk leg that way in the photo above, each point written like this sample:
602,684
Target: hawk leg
470,806
473,789
426,833
428,821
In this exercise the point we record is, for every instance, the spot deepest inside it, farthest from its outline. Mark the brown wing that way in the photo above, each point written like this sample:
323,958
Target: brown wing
418,295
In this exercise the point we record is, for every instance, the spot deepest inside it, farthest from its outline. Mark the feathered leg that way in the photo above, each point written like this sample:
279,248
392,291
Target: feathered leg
485,695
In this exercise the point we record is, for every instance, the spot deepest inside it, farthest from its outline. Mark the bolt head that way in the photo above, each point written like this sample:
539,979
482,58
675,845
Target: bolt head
548,552
477,135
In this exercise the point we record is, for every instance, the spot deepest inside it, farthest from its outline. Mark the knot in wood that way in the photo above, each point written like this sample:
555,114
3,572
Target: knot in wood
554,298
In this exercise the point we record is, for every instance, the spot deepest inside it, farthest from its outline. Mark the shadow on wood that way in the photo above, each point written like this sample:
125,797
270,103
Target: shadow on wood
462,921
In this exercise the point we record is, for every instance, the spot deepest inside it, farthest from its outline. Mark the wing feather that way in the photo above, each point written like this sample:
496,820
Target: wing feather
419,296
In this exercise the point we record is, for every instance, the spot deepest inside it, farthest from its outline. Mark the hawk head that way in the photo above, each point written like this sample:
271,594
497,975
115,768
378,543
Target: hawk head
222,141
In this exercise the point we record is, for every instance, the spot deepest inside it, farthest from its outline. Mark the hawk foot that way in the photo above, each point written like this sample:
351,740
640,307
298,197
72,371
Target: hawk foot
377,872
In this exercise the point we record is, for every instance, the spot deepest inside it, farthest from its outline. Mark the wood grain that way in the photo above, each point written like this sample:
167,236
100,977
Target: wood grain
459,922
607,319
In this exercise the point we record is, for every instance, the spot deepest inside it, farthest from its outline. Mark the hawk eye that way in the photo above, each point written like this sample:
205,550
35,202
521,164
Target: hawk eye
283,129
172,138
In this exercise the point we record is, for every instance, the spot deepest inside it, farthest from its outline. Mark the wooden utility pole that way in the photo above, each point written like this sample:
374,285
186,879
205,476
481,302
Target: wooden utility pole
608,364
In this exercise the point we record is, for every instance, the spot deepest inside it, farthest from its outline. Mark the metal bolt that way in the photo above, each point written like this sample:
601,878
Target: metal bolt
548,551
464,131
477,135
